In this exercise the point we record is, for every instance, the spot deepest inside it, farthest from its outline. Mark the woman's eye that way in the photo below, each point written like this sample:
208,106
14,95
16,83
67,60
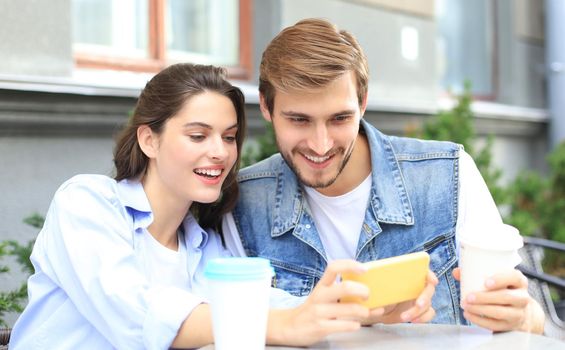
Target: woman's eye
197,138
230,139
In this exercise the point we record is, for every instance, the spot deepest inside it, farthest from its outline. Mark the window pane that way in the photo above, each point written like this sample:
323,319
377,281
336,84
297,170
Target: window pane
111,27
203,31
465,37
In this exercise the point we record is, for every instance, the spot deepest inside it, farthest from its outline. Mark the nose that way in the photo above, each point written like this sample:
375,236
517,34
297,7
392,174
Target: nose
321,141
218,149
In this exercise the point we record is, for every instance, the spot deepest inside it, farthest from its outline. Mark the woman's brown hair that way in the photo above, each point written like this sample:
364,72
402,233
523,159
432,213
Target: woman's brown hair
161,99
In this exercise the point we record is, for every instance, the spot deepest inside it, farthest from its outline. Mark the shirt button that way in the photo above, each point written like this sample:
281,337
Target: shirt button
307,226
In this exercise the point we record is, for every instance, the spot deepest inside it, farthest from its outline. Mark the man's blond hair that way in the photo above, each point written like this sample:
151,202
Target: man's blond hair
310,55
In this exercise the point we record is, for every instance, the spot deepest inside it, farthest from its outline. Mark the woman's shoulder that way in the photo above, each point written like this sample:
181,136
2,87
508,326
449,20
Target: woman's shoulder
86,187
88,180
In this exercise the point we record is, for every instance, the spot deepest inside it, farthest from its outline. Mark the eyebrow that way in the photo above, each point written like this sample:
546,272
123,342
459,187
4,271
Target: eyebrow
206,126
304,115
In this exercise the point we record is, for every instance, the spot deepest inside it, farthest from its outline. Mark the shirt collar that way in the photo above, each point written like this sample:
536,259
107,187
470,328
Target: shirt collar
133,197
194,235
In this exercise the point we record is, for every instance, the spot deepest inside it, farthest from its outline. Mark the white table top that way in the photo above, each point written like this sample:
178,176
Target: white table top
432,337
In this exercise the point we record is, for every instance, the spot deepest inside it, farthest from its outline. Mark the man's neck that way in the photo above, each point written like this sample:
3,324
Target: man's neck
355,171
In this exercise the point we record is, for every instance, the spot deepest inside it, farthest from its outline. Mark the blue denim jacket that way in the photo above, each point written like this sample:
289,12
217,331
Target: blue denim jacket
412,207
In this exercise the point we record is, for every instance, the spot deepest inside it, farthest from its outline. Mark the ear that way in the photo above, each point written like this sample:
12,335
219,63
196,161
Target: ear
264,110
364,104
147,141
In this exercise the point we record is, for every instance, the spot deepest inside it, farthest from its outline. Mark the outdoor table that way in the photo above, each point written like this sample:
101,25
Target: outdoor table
432,337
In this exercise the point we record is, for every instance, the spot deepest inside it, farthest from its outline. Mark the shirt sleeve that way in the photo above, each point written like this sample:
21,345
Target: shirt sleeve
476,207
279,298
87,249
231,236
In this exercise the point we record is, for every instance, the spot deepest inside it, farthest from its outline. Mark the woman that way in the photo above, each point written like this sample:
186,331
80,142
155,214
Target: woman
119,261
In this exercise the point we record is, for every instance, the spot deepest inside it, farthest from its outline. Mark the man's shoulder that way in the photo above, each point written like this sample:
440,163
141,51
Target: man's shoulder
268,168
407,148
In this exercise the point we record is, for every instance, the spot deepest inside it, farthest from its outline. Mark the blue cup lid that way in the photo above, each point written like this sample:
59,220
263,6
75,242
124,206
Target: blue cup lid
238,269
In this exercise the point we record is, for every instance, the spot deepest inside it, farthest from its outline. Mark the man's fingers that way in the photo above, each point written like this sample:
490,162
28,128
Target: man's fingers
495,320
507,280
508,297
420,307
425,317
338,291
337,267
457,273
432,278
375,316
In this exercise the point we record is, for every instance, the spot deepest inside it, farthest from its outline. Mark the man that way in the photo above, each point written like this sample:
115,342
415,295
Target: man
341,189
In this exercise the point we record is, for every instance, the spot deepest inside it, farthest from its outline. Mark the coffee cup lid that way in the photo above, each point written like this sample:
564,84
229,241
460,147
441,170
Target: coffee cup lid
238,269
496,237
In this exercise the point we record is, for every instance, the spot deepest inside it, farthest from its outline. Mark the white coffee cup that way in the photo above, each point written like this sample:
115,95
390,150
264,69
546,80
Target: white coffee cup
239,291
486,251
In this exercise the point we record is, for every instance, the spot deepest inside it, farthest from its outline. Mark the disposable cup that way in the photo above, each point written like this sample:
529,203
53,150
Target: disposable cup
485,252
239,291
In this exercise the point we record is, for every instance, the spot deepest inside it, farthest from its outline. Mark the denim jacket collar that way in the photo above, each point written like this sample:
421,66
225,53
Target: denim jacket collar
389,200
289,201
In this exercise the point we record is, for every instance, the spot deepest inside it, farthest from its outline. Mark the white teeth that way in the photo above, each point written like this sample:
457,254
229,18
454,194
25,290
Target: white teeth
208,172
317,159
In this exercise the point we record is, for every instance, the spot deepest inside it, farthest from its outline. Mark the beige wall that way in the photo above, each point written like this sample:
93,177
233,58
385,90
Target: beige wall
415,7
529,19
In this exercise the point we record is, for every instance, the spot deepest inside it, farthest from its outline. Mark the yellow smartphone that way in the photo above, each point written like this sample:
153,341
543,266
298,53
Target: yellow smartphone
392,280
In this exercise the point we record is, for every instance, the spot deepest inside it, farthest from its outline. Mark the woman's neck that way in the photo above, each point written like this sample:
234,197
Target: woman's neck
168,214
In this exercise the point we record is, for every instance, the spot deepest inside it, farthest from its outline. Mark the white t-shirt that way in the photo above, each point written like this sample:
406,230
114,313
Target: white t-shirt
337,219
475,202
165,267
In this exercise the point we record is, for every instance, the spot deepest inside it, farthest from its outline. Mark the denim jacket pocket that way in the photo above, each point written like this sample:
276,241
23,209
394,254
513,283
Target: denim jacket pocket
296,280
442,253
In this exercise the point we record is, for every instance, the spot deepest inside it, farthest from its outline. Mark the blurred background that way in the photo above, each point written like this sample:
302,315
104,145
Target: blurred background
485,73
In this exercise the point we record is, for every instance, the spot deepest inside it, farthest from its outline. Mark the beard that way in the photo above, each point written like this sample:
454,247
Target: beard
317,181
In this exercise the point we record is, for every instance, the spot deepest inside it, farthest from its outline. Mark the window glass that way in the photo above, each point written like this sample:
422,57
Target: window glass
203,31
111,27
465,30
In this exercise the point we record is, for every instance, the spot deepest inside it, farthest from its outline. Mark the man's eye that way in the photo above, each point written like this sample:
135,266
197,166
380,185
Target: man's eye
299,120
341,118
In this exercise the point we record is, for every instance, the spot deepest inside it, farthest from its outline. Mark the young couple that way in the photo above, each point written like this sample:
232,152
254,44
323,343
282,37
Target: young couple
119,262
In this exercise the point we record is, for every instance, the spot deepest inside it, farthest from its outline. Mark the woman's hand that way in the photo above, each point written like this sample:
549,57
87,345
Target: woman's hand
419,310
505,304
322,313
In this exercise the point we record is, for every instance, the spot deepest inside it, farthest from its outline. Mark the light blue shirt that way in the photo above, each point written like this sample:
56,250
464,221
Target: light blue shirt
91,289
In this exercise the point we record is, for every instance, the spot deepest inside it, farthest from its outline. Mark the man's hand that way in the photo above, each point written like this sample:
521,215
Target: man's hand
505,305
322,313
419,310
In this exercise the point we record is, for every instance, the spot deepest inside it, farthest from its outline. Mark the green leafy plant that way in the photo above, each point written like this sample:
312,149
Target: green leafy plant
264,148
14,301
537,206
456,125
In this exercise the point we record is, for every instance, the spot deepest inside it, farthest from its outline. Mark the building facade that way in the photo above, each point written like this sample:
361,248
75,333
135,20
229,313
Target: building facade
69,76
